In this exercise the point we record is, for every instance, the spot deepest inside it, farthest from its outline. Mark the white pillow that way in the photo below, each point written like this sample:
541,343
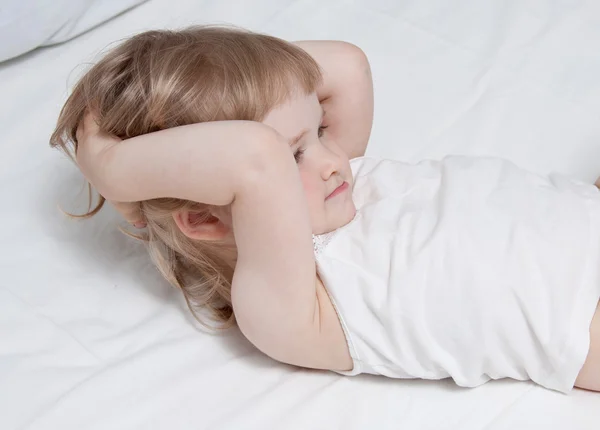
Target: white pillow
27,24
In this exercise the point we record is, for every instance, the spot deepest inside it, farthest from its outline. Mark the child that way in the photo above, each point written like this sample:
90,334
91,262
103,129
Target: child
237,145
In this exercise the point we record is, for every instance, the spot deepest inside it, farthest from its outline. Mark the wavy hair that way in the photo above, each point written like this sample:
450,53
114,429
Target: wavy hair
162,79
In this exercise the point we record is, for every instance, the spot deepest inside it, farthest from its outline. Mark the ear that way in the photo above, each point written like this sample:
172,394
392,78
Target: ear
200,226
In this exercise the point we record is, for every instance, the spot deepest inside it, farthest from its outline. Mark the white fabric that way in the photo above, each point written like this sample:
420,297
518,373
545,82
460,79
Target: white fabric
28,24
92,338
469,268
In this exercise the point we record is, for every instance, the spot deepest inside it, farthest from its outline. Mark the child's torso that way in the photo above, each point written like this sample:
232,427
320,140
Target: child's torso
444,270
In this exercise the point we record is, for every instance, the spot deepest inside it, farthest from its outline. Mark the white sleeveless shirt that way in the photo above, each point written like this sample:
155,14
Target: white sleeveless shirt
469,268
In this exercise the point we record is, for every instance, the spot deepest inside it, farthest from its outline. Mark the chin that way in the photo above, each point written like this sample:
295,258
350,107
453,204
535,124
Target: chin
341,220
351,214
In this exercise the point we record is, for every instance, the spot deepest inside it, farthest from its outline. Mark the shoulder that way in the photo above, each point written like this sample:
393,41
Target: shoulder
377,167
366,164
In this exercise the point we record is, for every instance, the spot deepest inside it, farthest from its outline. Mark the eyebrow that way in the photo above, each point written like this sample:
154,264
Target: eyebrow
294,140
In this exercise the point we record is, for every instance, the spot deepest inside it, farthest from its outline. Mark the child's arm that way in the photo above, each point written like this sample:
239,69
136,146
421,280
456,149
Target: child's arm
252,167
346,93
88,130
197,162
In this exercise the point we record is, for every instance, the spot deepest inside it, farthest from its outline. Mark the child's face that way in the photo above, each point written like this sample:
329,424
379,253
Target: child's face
322,164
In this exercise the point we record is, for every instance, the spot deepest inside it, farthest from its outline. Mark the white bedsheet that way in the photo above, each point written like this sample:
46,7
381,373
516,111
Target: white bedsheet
92,338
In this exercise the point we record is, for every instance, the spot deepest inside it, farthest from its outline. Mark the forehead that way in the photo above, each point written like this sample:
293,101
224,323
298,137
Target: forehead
296,114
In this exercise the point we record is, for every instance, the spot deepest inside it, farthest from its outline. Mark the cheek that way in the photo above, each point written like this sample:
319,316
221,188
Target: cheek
313,189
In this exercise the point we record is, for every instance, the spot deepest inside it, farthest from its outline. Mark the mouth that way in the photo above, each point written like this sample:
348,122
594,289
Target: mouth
338,190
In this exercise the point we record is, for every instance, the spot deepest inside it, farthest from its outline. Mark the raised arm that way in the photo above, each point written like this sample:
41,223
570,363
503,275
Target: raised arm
250,166
199,162
346,93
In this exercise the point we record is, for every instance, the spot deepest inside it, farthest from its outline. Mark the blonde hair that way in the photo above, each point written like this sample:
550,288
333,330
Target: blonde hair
162,79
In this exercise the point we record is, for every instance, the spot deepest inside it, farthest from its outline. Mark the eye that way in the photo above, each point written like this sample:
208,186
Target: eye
321,130
298,155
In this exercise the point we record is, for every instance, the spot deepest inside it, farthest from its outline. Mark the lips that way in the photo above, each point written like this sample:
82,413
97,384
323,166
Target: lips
343,187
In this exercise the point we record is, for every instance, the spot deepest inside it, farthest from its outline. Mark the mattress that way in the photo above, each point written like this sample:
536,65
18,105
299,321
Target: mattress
92,338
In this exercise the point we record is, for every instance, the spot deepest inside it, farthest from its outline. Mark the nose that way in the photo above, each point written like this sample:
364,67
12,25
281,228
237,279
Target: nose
331,161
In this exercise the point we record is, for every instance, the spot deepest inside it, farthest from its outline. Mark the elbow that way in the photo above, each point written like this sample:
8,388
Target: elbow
355,58
265,156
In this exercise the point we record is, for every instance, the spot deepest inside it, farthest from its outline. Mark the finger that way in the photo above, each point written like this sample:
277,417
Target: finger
87,126
90,121
91,143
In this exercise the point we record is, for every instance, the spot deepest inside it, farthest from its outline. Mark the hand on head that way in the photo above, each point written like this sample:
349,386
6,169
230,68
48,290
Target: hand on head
91,143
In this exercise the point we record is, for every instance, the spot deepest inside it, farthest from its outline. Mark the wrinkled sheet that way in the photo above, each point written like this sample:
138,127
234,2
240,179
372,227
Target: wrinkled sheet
92,338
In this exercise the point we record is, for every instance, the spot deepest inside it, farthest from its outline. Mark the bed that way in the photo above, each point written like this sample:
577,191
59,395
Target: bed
92,338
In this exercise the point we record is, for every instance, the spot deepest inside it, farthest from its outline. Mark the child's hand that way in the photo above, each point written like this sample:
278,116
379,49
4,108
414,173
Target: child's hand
90,145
